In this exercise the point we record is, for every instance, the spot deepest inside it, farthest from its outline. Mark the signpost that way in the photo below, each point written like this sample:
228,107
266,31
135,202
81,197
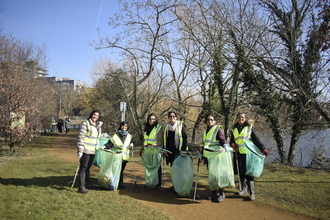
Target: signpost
123,110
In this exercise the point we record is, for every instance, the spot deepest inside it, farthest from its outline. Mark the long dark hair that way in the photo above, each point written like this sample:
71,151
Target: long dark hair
90,116
148,127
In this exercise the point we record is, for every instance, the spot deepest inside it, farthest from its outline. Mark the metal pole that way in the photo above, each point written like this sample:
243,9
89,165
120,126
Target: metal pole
239,179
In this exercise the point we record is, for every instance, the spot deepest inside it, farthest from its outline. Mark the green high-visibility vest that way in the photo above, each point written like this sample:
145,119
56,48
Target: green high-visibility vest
124,146
210,141
240,138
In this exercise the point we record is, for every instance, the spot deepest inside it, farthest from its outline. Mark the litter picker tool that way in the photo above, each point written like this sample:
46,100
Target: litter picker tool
75,176
160,148
135,185
199,159
237,167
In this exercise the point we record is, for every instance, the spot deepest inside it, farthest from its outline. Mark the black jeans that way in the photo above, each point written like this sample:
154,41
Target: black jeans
85,163
242,167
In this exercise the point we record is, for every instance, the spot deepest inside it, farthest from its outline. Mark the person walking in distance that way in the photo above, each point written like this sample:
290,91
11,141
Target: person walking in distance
60,126
88,138
121,139
242,131
175,139
67,123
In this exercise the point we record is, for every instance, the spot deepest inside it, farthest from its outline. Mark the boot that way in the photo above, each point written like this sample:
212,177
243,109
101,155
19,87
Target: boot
213,196
243,187
251,189
88,181
221,195
82,189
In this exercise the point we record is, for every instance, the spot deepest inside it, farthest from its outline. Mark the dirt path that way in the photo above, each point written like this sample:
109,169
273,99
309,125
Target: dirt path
234,207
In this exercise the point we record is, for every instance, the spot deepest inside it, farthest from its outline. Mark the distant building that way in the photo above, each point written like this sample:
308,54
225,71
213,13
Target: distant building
65,83
57,82
33,67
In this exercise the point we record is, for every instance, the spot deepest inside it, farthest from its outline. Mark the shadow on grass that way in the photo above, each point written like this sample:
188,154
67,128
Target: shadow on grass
56,182
285,181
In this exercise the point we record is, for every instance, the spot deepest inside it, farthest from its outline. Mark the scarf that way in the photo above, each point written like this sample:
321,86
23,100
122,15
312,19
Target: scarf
122,133
149,128
174,128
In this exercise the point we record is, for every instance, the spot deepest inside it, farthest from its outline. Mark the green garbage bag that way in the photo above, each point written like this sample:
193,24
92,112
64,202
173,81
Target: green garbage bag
98,158
102,142
151,159
221,172
98,154
110,169
182,173
255,159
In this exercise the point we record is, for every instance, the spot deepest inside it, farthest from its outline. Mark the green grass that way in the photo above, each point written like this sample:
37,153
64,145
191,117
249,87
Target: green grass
33,185
300,190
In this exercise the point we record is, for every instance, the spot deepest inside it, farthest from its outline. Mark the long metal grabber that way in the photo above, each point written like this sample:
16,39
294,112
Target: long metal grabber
135,184
75,176
239,178
162,149
199,159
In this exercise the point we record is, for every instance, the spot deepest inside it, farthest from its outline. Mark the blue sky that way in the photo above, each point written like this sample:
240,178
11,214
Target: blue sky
66,27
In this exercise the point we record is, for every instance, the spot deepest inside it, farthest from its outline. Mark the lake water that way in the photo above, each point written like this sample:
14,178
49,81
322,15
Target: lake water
311,142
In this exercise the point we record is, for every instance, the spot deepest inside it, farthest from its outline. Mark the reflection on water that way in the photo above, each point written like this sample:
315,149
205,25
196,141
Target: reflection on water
310,143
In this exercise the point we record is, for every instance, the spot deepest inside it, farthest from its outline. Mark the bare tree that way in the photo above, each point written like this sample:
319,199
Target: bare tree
19,98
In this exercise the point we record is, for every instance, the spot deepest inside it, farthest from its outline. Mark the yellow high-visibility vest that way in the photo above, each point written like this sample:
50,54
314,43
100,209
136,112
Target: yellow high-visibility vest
151,139
92,137
240,138
210,141
124,146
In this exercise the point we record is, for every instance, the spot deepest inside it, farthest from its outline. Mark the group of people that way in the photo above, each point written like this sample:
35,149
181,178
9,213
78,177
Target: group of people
172,140
60,125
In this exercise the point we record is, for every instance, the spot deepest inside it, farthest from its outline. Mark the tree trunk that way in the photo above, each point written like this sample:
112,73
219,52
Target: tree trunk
296,132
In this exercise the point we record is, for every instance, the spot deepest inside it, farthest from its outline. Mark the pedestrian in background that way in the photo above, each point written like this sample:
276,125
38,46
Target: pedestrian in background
60,126
54,123
88,139
67,123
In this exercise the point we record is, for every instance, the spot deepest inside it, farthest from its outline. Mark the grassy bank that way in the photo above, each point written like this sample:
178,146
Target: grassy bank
33,185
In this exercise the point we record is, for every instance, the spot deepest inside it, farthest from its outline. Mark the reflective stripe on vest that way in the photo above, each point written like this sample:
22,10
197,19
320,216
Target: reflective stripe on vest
91,138
151,139
179,127
240,138
210,140
125,146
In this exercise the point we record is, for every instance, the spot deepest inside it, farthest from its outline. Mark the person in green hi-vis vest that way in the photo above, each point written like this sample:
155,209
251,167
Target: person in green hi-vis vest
242,131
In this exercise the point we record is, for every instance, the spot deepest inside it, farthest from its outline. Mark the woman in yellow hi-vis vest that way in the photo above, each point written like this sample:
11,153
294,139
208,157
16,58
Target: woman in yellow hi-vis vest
214,140
175,139
88,139
153,136
122,139
242,131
